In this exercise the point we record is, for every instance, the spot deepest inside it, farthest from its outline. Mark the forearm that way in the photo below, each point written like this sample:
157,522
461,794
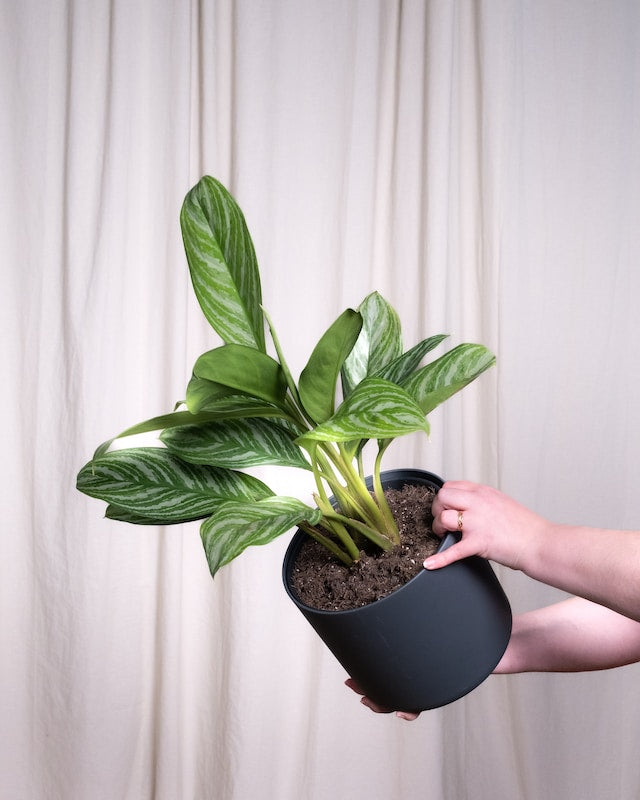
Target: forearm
572,636
599,565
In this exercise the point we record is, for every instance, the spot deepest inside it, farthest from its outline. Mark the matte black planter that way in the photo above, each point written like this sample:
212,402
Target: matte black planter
430,642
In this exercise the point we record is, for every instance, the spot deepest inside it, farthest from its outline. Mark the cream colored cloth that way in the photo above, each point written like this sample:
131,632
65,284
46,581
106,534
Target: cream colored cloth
476,162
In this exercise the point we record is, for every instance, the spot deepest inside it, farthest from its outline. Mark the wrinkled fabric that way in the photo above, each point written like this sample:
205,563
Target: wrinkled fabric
477,163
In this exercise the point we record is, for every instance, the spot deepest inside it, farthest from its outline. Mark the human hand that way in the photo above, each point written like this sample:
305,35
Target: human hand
408,715
493,525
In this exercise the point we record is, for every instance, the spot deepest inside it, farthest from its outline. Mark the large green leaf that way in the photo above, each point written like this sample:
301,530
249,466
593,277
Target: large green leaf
201,393
236,526
222,263
317,384
245,369
436,382
154,483
235,444
376,409
379,343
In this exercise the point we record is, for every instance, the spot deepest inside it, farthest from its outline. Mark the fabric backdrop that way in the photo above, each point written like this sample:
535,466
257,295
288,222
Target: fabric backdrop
476,162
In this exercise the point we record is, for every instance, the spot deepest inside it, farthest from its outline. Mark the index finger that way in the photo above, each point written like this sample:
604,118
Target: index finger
454,494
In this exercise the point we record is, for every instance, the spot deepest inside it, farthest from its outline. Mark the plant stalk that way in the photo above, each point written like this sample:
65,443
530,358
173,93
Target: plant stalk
380,495
325,541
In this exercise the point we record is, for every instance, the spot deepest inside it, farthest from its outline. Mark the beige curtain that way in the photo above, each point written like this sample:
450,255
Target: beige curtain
476,162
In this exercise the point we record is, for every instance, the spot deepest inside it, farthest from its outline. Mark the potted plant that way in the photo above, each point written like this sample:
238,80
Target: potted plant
243,408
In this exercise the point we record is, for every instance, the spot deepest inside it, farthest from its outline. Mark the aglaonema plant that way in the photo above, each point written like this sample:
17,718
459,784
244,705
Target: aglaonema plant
244,409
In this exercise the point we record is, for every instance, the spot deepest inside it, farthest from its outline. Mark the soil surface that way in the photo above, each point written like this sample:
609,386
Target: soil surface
321,581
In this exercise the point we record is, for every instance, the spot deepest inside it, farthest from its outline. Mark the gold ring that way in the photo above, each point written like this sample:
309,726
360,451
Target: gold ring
460,520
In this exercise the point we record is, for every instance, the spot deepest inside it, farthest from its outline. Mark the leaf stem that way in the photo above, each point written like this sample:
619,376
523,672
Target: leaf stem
325,541
379,539
379,493
291,384
358,489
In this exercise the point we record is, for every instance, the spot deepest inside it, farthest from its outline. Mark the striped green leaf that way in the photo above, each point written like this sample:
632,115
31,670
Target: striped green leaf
317,384
379,343
235,444
376,409
222,263
400,369
154,483
231,407
436,382
237,525
178,418
122,515
244,369
238,406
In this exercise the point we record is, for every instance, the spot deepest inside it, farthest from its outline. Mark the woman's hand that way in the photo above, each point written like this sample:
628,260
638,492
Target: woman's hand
600,565
493,525
410,716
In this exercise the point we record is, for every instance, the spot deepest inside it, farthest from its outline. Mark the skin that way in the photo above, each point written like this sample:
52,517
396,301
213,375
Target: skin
598,628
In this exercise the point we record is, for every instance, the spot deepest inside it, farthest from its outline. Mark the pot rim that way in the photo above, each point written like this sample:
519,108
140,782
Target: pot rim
299,536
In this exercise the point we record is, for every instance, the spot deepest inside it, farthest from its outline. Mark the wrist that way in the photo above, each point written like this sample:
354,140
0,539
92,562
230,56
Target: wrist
536,546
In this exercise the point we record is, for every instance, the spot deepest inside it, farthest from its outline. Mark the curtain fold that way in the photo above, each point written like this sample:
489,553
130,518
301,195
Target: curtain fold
477,163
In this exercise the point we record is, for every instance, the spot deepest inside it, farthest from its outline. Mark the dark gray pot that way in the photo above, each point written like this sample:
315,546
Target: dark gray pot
430,642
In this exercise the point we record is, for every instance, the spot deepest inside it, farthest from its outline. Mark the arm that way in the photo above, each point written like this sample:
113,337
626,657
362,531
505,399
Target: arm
600,565
572,636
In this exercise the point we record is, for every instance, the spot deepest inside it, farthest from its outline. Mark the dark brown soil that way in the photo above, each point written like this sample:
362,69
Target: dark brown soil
322,581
